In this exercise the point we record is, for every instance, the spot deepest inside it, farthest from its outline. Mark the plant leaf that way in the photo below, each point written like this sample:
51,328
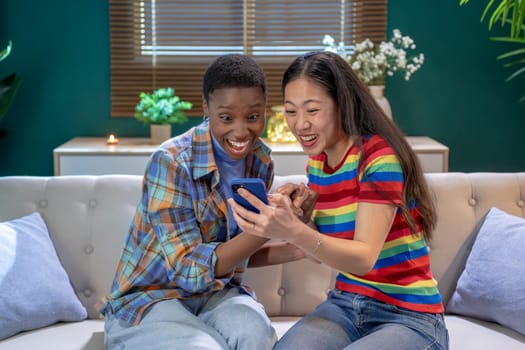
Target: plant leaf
511,53
5,52
516,73
513,63
8,87
508,39
497,14
519,16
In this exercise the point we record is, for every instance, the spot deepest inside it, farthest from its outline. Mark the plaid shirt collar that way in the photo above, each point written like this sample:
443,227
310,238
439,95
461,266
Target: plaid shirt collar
204,161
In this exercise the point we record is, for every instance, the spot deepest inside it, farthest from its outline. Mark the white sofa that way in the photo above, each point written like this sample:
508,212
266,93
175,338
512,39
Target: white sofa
88,216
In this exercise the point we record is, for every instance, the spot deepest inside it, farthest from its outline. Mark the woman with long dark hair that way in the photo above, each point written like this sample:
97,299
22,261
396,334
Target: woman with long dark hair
372,220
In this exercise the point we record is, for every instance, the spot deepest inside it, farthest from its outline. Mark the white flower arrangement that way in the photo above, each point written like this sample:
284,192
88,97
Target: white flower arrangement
373,64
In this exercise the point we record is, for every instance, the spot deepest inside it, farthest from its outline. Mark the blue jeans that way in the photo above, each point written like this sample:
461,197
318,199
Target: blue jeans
352,321
227,319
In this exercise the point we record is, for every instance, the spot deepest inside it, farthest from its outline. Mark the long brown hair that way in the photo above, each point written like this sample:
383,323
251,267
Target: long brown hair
360,115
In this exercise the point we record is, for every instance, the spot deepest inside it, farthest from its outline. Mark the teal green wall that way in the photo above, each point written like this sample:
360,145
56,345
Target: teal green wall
459,97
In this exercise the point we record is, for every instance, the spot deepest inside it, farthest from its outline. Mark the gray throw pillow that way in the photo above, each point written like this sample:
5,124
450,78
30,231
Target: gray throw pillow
35,290
492,286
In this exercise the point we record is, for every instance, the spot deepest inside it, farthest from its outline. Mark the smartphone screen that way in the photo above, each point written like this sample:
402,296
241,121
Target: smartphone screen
253,185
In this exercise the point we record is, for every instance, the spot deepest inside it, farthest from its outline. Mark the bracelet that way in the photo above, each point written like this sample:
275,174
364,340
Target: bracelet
318,243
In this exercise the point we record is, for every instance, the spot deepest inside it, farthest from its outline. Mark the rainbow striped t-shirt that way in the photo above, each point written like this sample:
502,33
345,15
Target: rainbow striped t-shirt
401,275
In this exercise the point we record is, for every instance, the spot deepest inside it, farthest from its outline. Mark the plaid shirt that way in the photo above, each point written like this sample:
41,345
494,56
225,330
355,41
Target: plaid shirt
169,251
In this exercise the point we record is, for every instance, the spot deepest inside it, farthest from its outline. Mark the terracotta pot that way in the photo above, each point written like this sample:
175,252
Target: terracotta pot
159,133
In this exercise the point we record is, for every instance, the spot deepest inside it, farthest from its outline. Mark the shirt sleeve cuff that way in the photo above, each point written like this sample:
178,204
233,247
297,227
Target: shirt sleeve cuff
204,255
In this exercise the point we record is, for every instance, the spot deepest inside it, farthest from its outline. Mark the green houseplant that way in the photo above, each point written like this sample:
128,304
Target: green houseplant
510,14
8,85
160,109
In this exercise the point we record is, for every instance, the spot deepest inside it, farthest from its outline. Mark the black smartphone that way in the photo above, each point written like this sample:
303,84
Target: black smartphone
253,185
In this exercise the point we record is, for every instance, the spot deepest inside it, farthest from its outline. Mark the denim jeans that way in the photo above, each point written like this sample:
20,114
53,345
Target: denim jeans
228,319
352,321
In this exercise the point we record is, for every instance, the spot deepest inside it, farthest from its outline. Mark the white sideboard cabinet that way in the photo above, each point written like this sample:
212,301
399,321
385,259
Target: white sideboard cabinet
93,156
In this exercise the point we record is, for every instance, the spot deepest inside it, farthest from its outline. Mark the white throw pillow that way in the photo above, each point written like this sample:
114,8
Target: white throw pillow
492,286
35,290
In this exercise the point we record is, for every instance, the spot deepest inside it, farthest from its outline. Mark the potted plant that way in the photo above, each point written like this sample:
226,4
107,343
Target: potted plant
509,13
160,109
8,85
373,64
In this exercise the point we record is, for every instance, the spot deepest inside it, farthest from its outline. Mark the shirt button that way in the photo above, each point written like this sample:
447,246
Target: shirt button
281,291
87,292
521,203
92,203
42,203
472,202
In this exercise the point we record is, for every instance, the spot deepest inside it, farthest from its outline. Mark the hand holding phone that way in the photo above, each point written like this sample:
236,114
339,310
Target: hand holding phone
253,185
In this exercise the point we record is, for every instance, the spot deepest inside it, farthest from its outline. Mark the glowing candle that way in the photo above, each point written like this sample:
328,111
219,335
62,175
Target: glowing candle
112,140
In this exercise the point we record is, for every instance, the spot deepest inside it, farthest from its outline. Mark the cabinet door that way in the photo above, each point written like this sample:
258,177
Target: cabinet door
101,164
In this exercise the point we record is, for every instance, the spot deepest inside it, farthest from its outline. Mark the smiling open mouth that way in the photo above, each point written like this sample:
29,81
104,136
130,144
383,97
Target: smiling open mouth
238,147
307,140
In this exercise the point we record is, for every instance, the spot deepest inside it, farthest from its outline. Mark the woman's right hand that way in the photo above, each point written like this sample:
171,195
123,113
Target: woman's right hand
303,199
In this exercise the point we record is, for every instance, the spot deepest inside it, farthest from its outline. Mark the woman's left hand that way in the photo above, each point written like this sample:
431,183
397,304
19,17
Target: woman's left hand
303,199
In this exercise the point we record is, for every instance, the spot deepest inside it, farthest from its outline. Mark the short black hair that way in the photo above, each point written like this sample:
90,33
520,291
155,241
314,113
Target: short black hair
233,70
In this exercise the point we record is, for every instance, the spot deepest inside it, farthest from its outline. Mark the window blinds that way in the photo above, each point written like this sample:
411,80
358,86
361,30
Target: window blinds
161,43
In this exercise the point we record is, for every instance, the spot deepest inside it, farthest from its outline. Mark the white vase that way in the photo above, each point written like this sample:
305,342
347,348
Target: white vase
159,133
378,91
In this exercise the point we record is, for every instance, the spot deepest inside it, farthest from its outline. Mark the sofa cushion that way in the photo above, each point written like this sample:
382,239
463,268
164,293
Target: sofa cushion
492,285
468,333
84,335
35,291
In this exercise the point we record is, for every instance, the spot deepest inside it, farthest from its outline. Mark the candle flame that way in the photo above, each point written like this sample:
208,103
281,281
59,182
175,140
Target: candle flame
112,140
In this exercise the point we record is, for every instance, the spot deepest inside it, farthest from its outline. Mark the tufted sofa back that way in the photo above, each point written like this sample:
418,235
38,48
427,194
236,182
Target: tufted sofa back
462,200
88,217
